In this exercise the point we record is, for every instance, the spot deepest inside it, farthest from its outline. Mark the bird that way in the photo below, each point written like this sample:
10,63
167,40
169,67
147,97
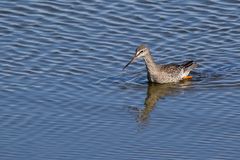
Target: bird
162,73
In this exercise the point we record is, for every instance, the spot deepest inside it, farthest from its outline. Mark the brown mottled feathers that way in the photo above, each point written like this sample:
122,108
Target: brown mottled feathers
175,68
170,68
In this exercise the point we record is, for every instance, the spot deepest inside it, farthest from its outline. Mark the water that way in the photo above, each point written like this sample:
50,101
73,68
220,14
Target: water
64,94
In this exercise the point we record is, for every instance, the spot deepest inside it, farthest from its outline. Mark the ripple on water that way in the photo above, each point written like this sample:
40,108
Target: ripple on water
64,94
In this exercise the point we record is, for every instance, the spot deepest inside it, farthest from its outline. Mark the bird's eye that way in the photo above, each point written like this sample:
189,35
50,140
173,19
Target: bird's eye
140,52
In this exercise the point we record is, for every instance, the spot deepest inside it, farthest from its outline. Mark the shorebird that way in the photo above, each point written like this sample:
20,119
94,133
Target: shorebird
162,73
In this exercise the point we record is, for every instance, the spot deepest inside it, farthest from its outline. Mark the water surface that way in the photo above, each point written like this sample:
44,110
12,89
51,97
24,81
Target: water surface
64,94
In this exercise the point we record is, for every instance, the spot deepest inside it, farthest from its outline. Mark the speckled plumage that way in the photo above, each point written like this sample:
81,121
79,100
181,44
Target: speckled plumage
159,73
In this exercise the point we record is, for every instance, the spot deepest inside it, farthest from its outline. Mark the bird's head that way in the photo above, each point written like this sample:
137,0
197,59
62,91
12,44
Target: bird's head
141,51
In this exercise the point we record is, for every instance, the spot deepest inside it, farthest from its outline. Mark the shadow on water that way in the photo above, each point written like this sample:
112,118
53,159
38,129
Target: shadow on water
155,93
201,81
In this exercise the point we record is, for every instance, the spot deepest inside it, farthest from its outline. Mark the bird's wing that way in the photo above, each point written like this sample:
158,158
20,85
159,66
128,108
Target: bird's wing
171,68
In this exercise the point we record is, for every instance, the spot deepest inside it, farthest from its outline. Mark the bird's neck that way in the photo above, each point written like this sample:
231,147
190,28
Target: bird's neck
150,64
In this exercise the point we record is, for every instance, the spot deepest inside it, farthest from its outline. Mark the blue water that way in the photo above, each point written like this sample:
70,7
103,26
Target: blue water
64,94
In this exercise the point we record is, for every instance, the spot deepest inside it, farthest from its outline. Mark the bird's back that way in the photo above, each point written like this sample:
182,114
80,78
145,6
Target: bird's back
171,72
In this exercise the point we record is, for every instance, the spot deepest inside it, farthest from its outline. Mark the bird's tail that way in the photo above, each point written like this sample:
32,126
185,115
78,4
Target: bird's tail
189,65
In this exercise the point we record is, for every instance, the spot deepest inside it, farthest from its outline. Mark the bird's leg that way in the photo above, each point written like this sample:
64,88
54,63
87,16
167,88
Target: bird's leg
187,77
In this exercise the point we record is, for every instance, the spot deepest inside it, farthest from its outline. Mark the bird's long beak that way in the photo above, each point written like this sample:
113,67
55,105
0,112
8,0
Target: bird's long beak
131,61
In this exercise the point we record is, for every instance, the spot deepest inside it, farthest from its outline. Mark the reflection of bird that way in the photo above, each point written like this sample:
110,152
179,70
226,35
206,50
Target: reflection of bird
156,92
159,73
